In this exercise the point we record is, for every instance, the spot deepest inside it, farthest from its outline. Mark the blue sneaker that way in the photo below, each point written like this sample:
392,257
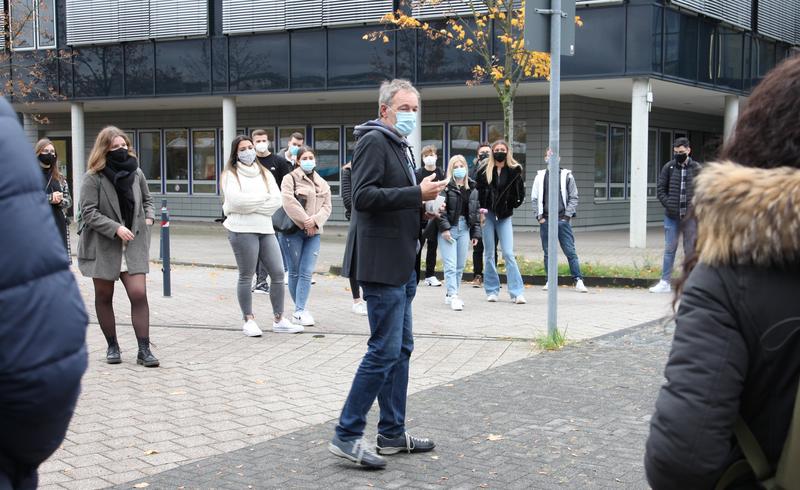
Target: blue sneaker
356,451
405,443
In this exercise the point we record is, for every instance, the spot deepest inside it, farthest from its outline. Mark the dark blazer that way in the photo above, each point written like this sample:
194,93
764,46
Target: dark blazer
99,247
384,228
669,186
42,317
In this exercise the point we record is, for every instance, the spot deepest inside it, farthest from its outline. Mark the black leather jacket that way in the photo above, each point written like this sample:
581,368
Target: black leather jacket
504,194
454,201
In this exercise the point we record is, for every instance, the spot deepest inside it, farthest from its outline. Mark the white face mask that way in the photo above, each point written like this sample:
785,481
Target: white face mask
262,147
430,162
247,157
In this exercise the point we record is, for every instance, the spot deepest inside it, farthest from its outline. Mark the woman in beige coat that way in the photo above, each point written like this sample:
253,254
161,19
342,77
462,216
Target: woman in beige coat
116,212
307,201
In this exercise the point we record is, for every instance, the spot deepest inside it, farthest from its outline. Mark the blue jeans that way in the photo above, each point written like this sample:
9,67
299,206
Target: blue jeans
301,255
567,241
454,255
383,372
672,229
502,231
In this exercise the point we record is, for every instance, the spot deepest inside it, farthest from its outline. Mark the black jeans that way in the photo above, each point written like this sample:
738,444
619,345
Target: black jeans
430,257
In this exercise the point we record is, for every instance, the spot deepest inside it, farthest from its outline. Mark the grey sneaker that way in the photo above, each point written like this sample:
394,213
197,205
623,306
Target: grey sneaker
356,451
405,443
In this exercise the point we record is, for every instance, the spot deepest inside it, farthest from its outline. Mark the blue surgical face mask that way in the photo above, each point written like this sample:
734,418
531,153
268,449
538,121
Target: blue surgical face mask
293,150
308,165
406,122
459,172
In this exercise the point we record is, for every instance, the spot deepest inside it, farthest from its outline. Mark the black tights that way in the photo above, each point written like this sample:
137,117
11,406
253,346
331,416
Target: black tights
136,287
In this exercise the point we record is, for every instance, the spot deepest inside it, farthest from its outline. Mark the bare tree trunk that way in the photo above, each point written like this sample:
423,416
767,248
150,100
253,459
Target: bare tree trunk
508,121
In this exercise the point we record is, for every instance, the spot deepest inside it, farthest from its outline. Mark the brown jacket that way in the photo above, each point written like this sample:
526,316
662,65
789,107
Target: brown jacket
316,192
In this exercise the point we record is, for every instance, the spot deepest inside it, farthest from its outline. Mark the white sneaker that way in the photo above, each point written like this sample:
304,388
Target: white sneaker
303,318
519,300
491,298
579,287
544,288
285,326
432,281
250,328
661,287
448,299
456,303
313,281
360,308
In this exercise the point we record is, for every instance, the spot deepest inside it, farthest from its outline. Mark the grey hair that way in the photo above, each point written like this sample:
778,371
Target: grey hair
390,88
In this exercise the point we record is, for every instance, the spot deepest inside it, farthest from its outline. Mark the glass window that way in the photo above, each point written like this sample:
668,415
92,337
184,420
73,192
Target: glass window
599,44
464,140
707,48
308,59
204,161
658,38
328,155
139,63
652,162
766,56
219,53
98,71
495,132
406,53
23,24
149,151
433,134
640,39
285,133
350,143
680,46
46,21
352,61
440,62
177,160
665,147
617,162
600,161
730,57
183,67
261,62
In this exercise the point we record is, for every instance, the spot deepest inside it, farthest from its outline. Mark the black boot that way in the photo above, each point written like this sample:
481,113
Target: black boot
113,354
145,357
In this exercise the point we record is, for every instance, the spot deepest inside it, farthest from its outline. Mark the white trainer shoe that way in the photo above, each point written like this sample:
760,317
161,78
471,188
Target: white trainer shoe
456,303
491,298
303,318
285,326
448,299
432,281
360,308
546,285
519,300
250,328
579,286
661,287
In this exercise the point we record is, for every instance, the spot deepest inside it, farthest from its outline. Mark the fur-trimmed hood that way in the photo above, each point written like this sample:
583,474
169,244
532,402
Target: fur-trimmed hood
747,215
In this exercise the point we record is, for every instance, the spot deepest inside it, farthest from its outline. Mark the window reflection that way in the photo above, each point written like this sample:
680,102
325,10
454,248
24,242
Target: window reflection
680,46
600,160
433,134
183,67
139,64
204,162
464,140
98,71
308,59
149,151
260,62
439,62
353,61
177,160
326,148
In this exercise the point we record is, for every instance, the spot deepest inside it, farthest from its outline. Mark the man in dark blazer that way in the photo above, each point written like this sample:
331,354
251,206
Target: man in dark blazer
42,317
383,242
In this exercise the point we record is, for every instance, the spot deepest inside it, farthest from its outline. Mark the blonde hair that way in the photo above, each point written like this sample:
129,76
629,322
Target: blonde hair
39,148
453,160
491,164
97,158
427,150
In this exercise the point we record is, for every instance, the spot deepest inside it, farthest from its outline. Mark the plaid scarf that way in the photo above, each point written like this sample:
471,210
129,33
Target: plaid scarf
684,204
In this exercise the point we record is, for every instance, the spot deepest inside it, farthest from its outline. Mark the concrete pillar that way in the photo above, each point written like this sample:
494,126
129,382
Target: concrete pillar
228,126
415,140
78,150
731,115
640,122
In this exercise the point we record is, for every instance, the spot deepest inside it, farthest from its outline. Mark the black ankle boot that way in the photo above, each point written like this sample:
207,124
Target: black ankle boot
145,357
113,354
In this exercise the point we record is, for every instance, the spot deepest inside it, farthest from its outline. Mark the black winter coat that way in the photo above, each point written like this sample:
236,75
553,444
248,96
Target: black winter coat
669,186
504,194
737,340
454,201
42,317
347,192
387,205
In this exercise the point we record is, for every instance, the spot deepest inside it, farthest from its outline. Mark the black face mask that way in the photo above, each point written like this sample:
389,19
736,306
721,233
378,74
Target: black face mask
681,157
483,156
119,155
499,156
47,159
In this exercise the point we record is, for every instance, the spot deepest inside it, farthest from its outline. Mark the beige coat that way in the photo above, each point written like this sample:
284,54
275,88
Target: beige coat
316,192
99,247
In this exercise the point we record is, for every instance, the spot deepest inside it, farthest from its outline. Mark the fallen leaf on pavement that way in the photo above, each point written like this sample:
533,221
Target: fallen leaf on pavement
434,457
178,393
150,452
494,437
144,484
259,381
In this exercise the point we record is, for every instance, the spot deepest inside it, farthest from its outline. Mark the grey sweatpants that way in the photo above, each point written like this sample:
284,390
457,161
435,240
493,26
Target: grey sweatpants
250,249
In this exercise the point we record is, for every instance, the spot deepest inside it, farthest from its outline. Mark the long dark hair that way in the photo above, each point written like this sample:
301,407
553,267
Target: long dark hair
233,158
767,134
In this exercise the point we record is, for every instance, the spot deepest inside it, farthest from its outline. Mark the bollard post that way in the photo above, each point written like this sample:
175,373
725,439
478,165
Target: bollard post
165,266
160,241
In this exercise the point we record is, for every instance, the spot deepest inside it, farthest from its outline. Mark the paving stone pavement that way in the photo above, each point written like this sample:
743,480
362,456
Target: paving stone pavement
577,418
219,391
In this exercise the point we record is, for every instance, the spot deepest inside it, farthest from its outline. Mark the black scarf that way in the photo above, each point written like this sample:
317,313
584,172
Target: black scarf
122,174
53,185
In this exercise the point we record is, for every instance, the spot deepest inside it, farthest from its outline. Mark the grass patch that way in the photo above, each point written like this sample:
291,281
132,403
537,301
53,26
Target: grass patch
555,341
646,270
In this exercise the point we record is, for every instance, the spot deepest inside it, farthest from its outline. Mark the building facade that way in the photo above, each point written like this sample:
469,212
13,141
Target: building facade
182,77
